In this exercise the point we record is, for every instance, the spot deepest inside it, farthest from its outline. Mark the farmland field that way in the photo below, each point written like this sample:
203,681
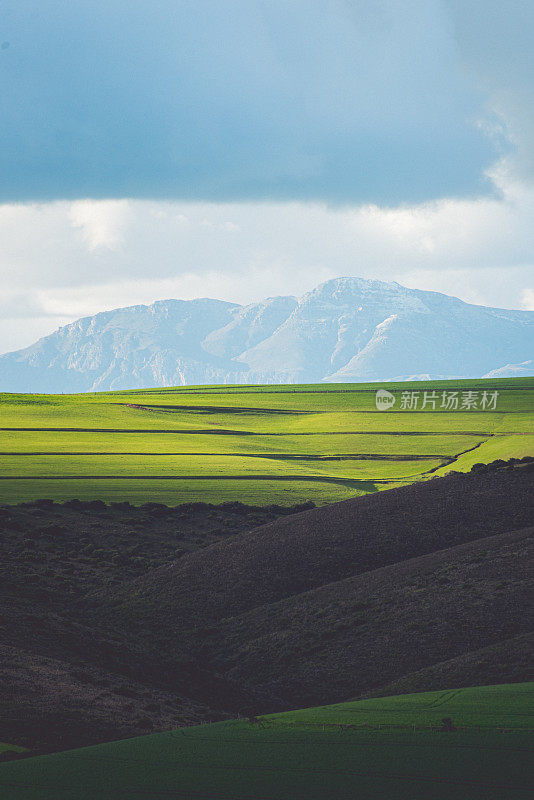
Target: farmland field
259,445
311,754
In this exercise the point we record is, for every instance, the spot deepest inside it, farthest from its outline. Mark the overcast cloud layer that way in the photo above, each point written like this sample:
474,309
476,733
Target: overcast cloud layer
254,148
340,100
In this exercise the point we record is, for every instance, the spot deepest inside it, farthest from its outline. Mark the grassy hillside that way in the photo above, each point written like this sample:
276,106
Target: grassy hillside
506,706
310,755
260,445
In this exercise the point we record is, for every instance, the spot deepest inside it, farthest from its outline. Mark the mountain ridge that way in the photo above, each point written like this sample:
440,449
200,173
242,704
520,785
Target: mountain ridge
344,330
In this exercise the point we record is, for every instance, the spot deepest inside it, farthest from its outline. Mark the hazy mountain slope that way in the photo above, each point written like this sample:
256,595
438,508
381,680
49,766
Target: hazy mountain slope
523,370
157,345
249,326
330,325
347,329
451,339
355,330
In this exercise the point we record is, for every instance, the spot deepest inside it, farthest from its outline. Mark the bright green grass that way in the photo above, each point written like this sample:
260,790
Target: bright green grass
503,447
209,466
302,756
259,445
253,444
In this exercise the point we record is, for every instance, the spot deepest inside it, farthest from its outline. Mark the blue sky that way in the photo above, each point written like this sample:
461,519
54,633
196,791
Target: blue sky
401,131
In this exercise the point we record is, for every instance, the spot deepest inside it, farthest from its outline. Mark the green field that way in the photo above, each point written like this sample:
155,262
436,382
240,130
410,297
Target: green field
485,707
311,755
256,444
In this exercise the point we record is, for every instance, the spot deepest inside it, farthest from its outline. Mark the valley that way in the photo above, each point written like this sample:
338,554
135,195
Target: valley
191,577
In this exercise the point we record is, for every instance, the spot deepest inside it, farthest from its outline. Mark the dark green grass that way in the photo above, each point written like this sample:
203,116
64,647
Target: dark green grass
508,705
260,445
306,756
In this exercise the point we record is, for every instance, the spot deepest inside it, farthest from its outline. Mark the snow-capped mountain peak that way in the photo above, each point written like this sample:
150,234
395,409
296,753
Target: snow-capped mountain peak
346,329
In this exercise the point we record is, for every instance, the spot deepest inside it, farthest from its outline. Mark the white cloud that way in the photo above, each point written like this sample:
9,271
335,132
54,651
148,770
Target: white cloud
102,222
527,301
59,261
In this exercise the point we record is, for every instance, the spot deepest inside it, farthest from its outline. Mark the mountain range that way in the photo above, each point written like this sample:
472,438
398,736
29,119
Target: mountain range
345,330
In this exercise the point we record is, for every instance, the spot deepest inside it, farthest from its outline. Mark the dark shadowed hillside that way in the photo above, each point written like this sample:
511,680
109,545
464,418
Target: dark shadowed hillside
508,661
117,620
55,704
338,641
65,681
296,554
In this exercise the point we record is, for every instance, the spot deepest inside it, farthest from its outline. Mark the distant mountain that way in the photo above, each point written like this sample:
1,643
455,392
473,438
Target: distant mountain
345,330
513,370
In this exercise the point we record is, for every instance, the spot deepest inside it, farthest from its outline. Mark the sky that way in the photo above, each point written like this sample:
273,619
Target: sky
246,148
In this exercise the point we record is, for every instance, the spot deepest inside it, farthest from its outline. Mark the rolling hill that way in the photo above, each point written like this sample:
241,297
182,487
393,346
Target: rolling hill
297,607
394,747
158,616
345,330
65,682
363,632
